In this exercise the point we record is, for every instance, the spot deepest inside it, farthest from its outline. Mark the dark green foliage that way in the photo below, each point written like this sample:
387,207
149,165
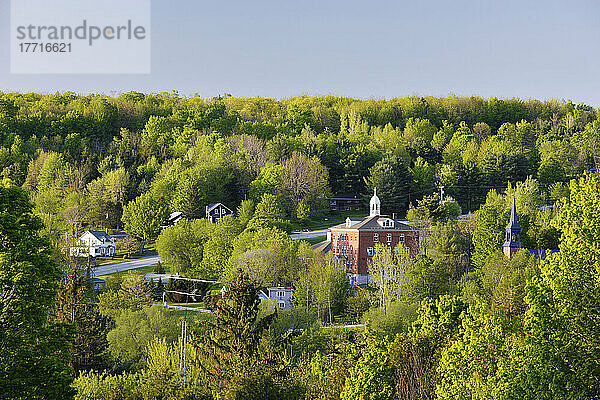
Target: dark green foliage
229,351
391,178
33,352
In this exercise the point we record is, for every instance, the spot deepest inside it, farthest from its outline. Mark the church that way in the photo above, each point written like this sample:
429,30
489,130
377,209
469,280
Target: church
513,244
354,240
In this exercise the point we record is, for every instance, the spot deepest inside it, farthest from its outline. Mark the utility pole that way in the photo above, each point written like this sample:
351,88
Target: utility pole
183,340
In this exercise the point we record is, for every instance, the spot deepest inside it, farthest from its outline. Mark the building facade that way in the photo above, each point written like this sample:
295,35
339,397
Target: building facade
354,240
216,211
281,294
345,202
94,244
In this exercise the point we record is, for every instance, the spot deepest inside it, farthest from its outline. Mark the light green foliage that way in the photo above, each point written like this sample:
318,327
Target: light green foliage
305,180
429,209
245,212
322,287
131,293
372,377
398,317
419,128
550,172
423,175
469,368
267,255
491,220
387,269
302,211
503,283
181,246
564,306
426,278
268,181
134,330
142,217
268,213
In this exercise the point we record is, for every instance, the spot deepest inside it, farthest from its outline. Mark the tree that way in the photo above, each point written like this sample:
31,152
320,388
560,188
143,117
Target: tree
305,180
372,377
33,353
426,278
134,330
229,352
491,222
268,213
388,273
561,356
181,246
142,217
74,306
391,178
322,287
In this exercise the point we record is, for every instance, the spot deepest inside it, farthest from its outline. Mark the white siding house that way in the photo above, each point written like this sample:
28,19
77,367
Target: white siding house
283,295
95,244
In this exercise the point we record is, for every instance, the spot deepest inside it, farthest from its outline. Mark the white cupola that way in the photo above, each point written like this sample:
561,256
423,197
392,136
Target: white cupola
375,205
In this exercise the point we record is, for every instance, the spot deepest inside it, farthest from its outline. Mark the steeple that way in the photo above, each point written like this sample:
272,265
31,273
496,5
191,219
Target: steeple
374,205
513,234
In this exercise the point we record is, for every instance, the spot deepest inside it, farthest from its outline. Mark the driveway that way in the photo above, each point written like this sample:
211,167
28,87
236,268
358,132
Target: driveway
126,265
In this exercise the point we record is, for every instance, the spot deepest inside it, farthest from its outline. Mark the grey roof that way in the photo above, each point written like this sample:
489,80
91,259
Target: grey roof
175,215
212,206
541,254
322,247
100,235
513,224
371,224
346,196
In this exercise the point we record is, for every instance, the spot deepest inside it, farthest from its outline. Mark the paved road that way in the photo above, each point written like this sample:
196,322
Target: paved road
126,265
307,235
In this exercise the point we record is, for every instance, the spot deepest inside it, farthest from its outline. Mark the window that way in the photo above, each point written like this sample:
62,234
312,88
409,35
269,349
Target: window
280,294
281,304
389,237
370,251
402,238
376,237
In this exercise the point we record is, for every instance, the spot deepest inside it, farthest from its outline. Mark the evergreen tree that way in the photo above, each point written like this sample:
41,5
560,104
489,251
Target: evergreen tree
33,353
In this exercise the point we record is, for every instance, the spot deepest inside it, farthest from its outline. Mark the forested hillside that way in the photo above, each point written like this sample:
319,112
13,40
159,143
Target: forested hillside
105,151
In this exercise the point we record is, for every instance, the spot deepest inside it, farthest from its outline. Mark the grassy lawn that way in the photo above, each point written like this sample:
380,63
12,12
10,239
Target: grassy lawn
326,220
315,240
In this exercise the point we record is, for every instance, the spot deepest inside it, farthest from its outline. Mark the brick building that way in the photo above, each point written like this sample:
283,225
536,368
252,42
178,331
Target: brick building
354,240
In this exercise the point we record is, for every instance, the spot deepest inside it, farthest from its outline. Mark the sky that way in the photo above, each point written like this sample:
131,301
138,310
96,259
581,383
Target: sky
364,49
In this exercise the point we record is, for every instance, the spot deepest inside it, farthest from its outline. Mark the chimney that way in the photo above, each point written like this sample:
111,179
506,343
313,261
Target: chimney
394,216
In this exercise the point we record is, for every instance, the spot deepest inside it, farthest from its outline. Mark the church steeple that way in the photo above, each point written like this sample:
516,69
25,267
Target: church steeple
513,234
374,205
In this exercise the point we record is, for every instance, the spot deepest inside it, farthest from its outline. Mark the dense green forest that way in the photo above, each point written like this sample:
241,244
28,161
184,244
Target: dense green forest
459,321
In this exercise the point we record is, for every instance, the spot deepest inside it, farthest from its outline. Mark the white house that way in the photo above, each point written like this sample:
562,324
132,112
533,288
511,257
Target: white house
95,244
283,295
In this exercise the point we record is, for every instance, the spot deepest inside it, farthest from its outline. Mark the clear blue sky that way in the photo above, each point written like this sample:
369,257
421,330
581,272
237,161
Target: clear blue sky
368,49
